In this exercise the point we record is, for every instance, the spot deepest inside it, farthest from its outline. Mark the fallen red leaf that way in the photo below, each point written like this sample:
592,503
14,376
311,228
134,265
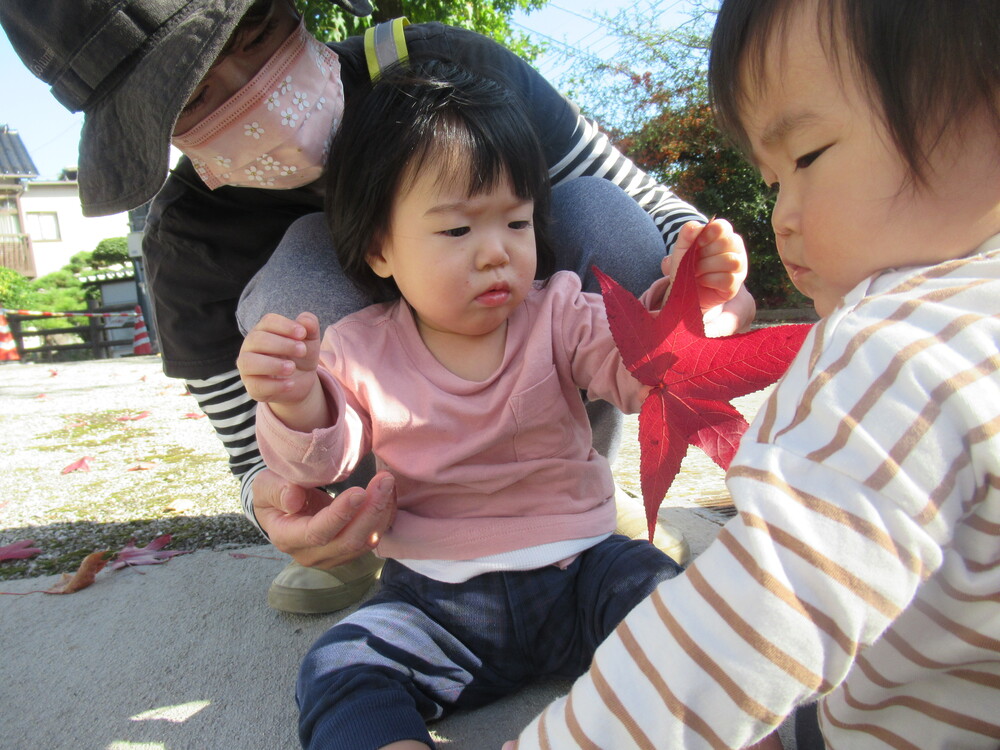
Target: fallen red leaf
142,466
19,550
53,373
134,417
92,565
193,415
693,377
81,464
151,554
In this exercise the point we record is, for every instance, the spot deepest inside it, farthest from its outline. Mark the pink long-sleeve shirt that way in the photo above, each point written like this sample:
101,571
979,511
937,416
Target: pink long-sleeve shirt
481,468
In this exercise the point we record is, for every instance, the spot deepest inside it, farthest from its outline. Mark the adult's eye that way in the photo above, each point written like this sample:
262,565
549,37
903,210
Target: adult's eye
194,102
262,37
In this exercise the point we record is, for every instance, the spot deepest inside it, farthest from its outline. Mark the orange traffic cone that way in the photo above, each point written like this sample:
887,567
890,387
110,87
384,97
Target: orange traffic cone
8,349
140,343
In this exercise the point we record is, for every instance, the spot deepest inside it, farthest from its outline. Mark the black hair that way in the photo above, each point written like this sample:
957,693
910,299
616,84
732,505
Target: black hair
411,113
926,64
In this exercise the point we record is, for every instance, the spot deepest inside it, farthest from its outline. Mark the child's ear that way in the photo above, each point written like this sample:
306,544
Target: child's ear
378,263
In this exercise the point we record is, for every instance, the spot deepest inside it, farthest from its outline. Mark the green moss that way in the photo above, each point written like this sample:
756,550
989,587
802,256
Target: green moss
186,456
92,430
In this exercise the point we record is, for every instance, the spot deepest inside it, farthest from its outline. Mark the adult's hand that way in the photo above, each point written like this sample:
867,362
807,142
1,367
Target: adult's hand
320,531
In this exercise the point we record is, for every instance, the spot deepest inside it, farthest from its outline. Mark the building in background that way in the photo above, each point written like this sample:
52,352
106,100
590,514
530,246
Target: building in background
56,224
42,227
15,168
41,223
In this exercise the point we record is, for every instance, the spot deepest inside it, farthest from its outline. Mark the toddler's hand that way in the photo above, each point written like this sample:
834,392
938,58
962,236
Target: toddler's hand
278,358
727,307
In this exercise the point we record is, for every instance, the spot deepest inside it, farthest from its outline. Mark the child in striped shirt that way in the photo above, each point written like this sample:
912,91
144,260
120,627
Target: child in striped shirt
861,575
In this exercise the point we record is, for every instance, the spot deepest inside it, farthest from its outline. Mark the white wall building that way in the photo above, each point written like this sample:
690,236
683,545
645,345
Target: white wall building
56,224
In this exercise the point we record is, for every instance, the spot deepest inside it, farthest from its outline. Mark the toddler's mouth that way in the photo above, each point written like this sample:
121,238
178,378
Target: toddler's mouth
496,295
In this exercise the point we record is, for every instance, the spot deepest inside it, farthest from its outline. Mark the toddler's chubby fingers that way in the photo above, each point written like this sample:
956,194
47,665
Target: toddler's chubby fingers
310,326
719,239
279,336
721,250
722,264
275,351
259,364
305,327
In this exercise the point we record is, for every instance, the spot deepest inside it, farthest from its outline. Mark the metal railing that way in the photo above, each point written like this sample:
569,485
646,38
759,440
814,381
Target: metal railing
93,339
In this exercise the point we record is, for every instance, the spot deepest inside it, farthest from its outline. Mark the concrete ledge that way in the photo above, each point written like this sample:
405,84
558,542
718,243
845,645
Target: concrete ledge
181,656
187,656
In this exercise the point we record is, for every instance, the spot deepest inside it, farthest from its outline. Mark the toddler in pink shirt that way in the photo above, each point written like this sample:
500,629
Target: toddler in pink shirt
465,383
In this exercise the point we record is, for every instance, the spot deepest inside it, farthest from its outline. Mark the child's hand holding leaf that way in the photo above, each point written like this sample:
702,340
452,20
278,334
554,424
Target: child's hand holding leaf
727,307
693,377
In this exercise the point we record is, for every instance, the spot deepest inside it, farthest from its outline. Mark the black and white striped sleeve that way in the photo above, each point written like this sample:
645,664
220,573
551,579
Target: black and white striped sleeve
233,416
592,154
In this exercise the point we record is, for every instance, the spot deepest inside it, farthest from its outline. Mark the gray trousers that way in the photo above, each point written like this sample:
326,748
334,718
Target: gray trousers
593,223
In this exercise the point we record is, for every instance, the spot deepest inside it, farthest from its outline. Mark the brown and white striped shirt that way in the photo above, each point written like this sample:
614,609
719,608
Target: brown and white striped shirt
863,567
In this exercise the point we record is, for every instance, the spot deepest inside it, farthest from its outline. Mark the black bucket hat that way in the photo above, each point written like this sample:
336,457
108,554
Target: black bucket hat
130,66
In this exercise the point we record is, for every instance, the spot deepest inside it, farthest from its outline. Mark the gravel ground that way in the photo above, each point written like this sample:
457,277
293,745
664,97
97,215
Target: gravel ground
165,472
162,473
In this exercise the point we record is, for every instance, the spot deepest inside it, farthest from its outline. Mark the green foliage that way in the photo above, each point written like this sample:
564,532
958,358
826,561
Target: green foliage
59,291
489,17
62,291
15,290
110,252
653,102
681,146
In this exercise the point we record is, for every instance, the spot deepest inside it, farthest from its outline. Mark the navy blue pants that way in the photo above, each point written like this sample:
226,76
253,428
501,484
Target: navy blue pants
420,649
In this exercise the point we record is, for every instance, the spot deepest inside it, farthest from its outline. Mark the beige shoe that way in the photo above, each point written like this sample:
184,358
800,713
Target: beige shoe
312,591
631,522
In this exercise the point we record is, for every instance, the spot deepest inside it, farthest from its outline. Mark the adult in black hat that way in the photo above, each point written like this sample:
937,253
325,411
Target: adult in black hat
233,232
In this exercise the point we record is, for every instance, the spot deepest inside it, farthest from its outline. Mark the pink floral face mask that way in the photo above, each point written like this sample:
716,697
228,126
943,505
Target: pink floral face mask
275,132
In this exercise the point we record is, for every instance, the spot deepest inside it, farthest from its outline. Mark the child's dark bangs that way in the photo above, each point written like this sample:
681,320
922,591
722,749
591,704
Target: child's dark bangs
479,149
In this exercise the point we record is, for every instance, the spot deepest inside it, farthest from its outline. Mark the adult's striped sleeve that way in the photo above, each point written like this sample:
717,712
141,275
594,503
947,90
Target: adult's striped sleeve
591,154
232,414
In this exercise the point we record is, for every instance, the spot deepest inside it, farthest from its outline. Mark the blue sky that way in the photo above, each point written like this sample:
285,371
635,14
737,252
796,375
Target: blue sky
51,133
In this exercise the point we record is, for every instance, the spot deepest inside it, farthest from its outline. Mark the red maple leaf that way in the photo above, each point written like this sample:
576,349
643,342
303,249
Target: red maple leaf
81,464
133,417
152,554
693,377
19,550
